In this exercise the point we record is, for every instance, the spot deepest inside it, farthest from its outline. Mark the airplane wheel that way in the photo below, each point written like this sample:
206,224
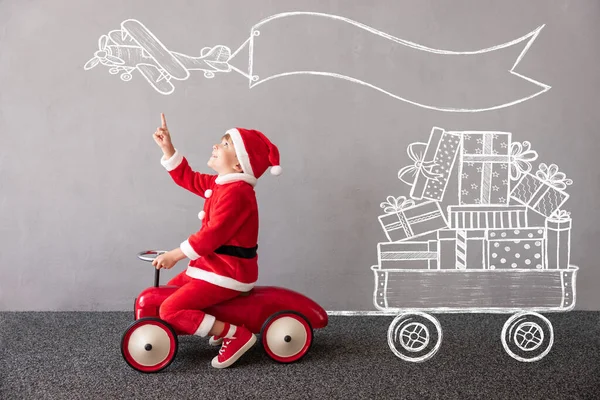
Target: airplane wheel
287,336
126,77
113,71
149,345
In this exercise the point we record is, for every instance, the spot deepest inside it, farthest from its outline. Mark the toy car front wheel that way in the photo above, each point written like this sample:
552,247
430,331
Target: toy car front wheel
415,336
527,336
287,336
149,345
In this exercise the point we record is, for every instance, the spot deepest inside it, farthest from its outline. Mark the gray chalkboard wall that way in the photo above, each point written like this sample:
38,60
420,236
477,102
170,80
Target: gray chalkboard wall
82,189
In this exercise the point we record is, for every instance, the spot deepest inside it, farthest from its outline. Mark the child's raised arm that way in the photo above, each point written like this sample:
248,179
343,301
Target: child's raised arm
177,165
162,137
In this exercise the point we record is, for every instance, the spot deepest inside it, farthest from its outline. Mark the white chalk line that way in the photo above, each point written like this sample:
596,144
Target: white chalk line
531,36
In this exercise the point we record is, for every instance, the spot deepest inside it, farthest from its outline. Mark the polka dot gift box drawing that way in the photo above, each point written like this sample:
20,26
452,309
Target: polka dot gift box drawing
433,164
495,255
516,248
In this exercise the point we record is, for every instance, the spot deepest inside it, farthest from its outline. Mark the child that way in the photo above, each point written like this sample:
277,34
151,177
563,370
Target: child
223,252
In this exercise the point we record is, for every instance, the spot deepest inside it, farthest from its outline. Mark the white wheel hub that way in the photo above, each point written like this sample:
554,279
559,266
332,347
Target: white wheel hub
414,337
528,336
286,336
149,345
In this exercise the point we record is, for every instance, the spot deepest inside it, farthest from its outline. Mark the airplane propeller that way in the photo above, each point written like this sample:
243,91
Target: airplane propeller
103,55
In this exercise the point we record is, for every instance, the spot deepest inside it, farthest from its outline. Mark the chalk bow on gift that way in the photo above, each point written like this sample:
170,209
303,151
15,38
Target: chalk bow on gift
394,205
416,152
551,176
521,156
560,215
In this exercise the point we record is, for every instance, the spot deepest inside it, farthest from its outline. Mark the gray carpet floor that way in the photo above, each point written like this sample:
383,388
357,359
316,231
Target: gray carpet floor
77,356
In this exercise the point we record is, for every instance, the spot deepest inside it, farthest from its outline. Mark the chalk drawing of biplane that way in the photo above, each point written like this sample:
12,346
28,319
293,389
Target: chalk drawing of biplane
134,47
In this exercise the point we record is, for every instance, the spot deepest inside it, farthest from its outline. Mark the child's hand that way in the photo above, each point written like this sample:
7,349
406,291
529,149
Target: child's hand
162,137
166,260
169,259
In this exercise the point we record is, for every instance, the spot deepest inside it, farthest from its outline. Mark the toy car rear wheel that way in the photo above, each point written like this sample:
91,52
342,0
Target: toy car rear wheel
415,336
527,336
287,336
149,345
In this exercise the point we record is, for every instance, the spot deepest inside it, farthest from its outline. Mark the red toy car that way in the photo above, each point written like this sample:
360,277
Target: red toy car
285,320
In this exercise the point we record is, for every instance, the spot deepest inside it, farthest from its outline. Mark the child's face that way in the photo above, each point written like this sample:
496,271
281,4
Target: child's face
223,159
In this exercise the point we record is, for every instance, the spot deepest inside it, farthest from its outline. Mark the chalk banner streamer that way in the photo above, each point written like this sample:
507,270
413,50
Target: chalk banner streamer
324,45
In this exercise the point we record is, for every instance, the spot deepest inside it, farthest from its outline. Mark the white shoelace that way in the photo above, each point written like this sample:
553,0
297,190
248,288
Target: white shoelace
224,346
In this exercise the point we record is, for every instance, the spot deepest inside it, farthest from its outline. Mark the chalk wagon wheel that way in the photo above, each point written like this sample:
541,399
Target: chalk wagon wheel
415,336
527,336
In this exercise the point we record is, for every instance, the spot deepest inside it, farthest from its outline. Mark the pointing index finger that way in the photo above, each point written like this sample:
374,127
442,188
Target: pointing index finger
164,121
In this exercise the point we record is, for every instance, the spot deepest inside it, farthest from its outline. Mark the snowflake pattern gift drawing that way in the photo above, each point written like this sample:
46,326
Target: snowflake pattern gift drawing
484,254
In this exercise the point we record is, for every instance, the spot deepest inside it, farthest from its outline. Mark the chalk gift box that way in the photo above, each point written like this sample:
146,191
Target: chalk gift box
404,220
487,217
433,165
408,255
461,249
544,191
516,248
484,168
558,240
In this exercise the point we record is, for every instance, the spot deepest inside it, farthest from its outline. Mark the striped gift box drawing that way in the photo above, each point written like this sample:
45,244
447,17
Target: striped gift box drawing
487,217
408,255
461,249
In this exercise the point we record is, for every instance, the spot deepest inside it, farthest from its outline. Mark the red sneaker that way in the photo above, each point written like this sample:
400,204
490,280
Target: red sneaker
232,349
215,340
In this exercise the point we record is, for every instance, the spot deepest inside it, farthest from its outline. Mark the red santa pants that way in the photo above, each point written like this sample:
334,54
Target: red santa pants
183,309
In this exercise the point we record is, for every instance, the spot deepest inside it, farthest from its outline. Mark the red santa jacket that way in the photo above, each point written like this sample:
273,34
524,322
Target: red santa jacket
223,251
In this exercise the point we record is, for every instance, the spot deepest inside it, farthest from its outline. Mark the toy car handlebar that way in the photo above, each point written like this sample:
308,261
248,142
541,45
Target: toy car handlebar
150,255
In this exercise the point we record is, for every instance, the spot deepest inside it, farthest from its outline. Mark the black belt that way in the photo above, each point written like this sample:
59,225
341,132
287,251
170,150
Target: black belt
237,251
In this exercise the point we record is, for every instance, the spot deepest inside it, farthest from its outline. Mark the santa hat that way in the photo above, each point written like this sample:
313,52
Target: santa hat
255,152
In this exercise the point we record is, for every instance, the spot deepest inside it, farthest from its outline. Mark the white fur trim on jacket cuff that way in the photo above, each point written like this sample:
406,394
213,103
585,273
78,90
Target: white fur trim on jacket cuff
205,326
173,162
188,250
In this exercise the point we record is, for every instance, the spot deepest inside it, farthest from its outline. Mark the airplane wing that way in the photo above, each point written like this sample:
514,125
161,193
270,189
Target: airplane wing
154,48
117,37
159,80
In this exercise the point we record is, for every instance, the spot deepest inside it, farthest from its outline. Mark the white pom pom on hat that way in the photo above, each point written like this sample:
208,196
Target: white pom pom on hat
276,170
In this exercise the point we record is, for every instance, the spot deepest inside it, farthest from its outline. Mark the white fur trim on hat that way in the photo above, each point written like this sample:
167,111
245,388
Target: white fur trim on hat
240,151
234,177
276,170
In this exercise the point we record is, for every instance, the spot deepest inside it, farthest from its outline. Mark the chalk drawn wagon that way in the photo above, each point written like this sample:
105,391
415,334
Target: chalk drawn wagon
415,335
